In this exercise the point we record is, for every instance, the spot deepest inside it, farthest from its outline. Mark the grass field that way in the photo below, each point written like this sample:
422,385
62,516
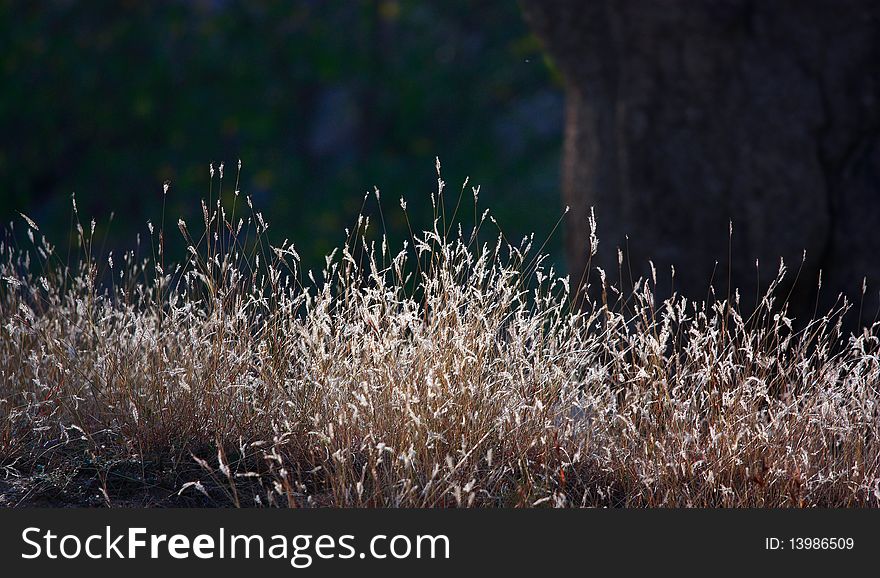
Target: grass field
456,370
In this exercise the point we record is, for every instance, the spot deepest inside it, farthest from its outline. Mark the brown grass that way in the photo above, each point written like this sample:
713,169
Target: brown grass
450,373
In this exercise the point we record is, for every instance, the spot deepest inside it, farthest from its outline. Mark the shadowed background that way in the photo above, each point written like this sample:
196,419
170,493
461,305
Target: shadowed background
683,116
320,100
679,117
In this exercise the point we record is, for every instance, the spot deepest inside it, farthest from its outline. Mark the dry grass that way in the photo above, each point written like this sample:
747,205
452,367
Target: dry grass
450,373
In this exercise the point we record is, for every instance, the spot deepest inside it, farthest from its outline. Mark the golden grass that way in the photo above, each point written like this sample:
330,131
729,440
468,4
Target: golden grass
450,373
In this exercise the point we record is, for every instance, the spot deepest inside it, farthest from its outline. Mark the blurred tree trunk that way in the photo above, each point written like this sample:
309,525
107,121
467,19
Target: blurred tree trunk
682,116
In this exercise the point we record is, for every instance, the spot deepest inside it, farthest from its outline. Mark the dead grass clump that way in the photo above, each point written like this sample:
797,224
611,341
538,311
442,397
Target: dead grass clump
450,372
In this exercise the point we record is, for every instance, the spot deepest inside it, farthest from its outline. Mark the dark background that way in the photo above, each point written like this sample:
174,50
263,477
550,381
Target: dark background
684,116
320,100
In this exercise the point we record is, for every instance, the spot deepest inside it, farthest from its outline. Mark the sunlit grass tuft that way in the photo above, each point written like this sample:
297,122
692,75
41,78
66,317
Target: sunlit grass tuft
449,371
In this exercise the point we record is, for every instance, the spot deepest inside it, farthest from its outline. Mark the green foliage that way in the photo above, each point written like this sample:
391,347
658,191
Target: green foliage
319,100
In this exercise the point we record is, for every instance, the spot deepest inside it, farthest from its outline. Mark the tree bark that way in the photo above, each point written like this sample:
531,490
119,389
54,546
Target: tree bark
684,116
